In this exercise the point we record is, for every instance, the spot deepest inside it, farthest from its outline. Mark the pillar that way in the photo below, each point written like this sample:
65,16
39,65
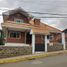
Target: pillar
25,37
63,40
33,43
46,43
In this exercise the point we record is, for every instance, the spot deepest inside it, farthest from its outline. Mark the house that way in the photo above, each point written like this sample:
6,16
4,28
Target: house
22,29
65,31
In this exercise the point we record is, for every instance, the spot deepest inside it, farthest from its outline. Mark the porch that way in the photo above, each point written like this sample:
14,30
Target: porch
23,37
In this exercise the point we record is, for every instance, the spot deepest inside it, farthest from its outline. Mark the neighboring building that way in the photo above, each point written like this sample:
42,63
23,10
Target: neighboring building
1,38
0,33
65,31
21,29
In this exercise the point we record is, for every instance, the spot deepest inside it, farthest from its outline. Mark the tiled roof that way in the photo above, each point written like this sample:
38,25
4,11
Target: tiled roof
39,29
19,9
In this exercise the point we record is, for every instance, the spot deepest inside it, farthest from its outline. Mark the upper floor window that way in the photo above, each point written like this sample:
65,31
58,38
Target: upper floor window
18,20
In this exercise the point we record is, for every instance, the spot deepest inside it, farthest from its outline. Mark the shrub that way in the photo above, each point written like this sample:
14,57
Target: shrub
2,42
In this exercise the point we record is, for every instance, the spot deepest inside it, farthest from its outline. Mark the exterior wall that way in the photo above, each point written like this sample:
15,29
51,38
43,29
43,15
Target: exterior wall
10,51
56,47
38,39
0,33
56,38
17,16
11,17
17,40
65,31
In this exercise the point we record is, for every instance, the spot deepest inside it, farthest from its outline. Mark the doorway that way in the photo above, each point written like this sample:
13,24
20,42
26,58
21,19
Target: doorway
28,38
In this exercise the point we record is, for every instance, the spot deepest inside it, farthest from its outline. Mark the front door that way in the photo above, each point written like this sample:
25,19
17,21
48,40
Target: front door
39,46
28,38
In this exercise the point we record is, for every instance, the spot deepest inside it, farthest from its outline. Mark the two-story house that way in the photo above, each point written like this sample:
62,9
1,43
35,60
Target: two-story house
22,29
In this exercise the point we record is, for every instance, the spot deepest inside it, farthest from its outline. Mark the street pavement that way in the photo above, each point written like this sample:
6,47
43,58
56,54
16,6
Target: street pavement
54,61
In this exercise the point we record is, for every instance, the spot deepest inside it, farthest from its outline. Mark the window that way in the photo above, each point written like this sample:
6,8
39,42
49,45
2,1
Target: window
50,37
18,20
15,34
42,37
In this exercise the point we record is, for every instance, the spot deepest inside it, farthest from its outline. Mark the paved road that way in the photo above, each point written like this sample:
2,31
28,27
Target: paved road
55,61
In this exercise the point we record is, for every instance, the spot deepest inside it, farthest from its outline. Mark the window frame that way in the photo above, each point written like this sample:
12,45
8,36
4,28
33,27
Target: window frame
16,20
16,35
51,37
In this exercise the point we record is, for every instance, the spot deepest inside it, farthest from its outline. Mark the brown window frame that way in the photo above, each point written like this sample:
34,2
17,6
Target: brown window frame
15,36
18,20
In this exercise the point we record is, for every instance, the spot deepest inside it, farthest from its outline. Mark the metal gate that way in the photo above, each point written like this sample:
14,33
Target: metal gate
39,47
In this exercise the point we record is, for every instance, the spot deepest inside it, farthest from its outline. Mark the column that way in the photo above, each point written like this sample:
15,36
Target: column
25,37
33,43
45,43
63,40
6,34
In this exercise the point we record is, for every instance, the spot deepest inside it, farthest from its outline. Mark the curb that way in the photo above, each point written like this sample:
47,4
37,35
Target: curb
31,57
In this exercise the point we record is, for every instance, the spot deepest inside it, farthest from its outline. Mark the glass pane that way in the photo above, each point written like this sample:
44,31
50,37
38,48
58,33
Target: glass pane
19,20
15,34
12,34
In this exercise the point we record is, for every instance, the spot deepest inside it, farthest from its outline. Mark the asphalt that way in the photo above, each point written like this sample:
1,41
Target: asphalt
54,61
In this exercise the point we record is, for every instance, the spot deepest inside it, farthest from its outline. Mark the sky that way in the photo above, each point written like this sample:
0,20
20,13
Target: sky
49,6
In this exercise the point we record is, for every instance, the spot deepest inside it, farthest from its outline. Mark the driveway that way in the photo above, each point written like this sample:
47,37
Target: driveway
55,61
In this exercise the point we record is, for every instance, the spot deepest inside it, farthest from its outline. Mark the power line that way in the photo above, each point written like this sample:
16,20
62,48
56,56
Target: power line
42,13
47,16
48,13
56,15
51,17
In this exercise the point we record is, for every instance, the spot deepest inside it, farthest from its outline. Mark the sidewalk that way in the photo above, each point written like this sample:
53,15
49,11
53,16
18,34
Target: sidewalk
31,57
